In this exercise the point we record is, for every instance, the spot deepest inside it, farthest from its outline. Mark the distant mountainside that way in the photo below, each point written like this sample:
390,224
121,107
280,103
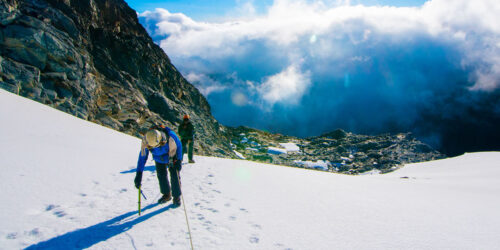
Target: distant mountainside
337,151
93,59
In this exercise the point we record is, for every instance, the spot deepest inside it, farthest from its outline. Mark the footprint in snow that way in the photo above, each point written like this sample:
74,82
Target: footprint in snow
123,190
254,239
281,245
233,218
50,207
11,236
83,195
59,214
34,232
208,226
243,210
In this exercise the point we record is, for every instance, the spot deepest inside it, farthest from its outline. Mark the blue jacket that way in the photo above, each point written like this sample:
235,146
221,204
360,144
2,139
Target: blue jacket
160,154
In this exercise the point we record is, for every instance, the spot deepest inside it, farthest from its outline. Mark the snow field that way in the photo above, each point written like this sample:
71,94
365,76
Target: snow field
68,183
290,147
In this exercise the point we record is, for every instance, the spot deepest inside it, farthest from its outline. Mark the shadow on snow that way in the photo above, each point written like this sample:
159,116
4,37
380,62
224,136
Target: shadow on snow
151,168
87,237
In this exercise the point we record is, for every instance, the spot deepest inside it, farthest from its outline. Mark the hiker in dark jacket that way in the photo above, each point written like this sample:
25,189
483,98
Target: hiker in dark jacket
186,132
164,145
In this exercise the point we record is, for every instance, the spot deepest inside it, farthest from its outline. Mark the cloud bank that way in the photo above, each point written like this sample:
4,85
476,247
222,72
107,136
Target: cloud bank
308,67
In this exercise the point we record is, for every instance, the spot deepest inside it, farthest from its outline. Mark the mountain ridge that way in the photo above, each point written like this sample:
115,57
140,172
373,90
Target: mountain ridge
93,59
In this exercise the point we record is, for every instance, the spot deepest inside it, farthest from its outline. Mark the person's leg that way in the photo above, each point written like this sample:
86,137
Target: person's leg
184,149
190,150
175,179
161,173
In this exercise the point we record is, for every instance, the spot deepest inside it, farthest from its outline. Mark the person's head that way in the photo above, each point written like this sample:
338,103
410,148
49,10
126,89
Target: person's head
186,118
154,138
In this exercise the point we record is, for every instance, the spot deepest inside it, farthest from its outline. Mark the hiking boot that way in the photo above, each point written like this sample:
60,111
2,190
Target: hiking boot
177,201
165,198
191,161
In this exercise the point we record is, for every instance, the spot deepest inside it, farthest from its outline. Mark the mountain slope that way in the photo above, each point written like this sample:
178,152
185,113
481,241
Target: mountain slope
68,183
92,59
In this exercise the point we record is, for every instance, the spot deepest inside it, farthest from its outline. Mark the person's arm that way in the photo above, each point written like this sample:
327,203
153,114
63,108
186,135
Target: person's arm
191,131
178,143
143,157
141,162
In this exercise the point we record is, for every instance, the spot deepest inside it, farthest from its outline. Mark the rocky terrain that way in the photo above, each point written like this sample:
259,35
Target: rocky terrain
338,151
92,59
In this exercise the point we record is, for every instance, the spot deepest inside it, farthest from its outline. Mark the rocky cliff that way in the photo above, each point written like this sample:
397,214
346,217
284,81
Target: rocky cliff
93,59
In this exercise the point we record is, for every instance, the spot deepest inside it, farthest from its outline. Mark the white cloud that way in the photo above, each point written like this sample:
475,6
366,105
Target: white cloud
205,84
239,99
246,8
313,39
473,25
285,87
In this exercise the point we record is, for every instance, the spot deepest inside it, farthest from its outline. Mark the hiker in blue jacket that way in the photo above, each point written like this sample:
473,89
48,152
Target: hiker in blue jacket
164,145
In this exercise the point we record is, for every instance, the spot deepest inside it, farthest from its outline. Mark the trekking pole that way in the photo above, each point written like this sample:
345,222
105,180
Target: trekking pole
141,193
185,212
139,203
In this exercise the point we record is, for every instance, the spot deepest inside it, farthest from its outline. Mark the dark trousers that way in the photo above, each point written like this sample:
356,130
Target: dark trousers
187,147
161,172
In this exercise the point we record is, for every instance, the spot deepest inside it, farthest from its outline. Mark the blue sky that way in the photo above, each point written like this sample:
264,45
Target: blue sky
207,10
308,67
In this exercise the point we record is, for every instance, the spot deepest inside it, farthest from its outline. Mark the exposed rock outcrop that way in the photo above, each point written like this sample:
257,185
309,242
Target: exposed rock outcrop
338,151
93,59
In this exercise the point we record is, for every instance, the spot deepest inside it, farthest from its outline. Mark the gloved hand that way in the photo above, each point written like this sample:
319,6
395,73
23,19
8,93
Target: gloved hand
176,164
138,179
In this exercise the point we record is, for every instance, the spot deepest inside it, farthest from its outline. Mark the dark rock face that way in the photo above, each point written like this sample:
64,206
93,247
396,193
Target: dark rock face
338,151
92,59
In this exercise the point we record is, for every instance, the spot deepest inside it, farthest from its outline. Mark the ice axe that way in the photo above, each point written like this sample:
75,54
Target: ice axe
139,203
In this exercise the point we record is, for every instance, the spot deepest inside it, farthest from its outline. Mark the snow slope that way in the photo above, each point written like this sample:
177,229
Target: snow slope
67,183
